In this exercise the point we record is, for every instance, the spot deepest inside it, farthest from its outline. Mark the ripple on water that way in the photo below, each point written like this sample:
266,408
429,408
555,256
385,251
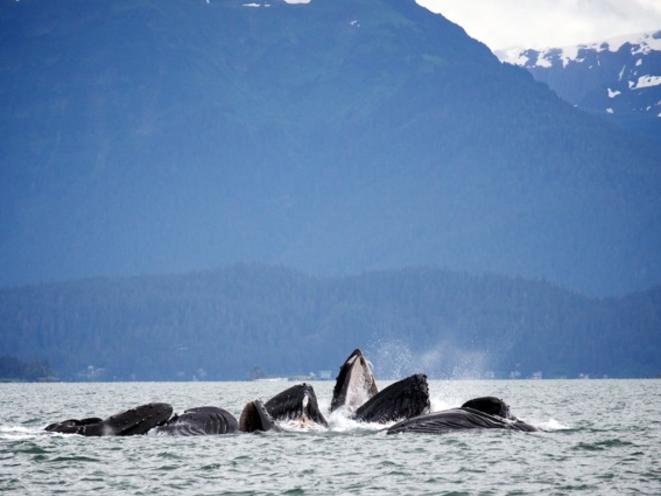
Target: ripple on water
583,445
603,445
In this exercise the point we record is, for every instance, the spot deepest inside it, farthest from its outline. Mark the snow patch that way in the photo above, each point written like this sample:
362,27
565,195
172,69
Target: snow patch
647,81
642,43
514,56
639,62
542,61
613,93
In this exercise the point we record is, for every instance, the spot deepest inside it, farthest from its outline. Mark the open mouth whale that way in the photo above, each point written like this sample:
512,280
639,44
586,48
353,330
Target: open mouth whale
401,400
355,383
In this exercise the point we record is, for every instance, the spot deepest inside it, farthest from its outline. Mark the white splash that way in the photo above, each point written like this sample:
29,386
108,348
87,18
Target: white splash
17,433
551,425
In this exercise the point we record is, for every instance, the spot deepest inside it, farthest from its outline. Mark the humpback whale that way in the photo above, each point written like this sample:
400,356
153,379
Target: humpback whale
479,413
200,421
355,383
255,417
401,400
128,423
296,403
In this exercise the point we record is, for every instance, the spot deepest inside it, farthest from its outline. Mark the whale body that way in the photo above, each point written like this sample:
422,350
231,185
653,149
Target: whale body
255,417
479,413
401,400
297,403
131,422
200,421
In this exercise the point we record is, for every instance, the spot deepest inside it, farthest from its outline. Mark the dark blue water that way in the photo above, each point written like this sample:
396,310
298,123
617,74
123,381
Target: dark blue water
597,437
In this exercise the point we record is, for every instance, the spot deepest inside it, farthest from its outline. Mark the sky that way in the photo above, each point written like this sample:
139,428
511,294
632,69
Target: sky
544,23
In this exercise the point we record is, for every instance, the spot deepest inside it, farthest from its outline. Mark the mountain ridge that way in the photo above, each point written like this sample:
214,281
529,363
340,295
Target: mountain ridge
618,78
183,136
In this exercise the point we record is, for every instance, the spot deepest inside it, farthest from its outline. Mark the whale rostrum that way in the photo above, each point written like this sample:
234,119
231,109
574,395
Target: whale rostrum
355,383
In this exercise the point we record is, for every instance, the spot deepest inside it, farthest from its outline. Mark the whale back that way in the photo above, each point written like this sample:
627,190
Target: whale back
456,419
200,421
401,400
255,417
296,403
355,383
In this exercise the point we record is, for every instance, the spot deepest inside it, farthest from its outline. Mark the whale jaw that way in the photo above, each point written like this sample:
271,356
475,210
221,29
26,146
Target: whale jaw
355,383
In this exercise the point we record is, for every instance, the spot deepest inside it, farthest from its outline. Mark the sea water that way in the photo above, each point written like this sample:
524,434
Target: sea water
596,437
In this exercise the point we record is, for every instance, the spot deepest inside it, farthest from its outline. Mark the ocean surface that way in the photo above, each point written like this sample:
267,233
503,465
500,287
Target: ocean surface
597,437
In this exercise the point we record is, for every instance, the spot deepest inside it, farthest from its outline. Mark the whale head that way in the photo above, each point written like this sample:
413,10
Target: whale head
355,383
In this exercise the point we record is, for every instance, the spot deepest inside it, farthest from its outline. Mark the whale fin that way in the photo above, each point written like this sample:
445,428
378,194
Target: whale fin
355,383
401,400
296,403
200,421
255,417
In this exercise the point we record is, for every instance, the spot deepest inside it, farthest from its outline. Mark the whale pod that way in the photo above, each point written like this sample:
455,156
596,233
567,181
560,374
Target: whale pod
255,417
480,413
296,403
355,383
200,421
401,400
128,423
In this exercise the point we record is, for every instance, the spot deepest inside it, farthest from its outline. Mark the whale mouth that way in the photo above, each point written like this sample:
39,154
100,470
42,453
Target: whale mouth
355,383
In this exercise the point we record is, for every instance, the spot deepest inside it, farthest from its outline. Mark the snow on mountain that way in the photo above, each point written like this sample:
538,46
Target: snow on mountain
638,44
619,78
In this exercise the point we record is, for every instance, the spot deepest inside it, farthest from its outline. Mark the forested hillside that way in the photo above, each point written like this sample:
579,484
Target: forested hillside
222,324
333,137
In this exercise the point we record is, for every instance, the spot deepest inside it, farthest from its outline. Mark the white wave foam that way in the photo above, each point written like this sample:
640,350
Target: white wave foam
551,425
16,433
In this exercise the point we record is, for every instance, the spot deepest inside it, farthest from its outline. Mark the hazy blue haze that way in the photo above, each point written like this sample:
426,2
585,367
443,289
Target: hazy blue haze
164,136
598,437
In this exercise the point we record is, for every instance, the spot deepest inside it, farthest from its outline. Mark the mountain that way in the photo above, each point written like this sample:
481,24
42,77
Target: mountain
619,79
338,136
223,324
